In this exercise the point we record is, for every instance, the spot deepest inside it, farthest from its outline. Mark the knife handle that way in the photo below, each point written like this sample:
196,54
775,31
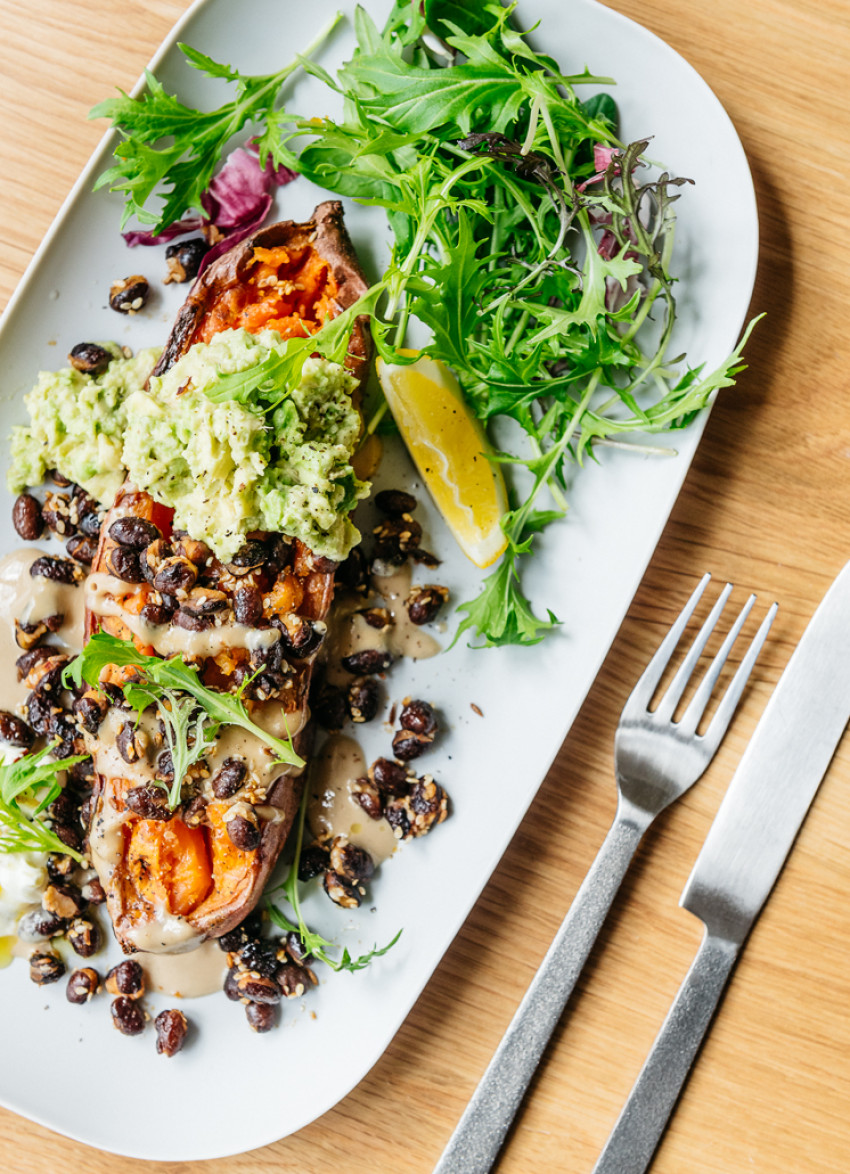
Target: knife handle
475,1143
644,1116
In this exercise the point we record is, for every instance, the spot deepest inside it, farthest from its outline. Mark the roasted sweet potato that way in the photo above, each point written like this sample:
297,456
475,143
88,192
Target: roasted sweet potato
173,879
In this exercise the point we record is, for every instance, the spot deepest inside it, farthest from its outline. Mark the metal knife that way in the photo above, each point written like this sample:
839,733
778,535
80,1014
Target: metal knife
743,854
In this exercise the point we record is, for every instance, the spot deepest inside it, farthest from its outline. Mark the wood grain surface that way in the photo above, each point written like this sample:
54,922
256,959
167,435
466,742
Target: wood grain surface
766,505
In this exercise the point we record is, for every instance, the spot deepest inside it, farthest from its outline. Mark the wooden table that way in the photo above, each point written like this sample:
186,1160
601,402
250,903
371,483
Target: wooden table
765,505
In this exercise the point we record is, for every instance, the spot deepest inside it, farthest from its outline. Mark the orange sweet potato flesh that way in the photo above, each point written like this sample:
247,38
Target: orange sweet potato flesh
291,278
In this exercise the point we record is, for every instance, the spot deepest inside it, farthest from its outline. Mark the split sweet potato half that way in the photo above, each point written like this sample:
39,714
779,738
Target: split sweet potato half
173,879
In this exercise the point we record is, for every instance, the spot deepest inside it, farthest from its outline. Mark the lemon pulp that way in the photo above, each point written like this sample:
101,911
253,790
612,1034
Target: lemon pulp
448,446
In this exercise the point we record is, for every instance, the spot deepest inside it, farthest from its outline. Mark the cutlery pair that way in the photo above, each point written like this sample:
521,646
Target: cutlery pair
657,760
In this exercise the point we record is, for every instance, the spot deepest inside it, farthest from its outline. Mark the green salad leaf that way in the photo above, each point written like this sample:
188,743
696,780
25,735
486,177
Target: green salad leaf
186,705
27,787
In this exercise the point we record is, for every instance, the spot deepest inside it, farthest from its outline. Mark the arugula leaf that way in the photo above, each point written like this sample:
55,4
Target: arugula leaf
314,943
27,787
189,734
164,677
172,150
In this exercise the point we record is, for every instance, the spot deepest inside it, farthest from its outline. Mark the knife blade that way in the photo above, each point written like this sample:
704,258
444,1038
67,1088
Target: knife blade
741,859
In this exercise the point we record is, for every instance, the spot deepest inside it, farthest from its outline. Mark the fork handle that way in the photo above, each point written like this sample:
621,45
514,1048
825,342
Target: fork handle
475,1143
644,1116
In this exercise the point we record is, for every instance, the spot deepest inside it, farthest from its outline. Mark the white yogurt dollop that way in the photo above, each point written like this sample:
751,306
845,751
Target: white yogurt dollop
23,876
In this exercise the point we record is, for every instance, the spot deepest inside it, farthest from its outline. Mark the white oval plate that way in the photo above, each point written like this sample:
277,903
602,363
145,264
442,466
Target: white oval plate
230,1090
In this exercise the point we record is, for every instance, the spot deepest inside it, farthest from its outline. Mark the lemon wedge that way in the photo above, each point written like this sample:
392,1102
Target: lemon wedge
448,444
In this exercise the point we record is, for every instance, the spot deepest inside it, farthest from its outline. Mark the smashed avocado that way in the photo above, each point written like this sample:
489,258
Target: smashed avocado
226,468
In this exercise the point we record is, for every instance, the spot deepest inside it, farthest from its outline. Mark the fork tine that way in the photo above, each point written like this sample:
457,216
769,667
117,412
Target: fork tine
691,717
730,698
641,695
671,698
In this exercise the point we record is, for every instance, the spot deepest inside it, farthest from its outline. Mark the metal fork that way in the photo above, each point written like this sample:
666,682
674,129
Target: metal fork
657,759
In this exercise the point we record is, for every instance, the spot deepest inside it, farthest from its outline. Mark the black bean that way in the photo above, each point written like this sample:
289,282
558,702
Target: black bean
195,812
396,537
390,778
184,259
155,613
424,603
62,899
90,523
26,663
39,925
395,502
243,833
70,836
15,730
341,890
425,558
129,295
378,618
260,955
171,1027
190,621
353,574
363,699
230,988
295,948
354,863
175,574
93,891
367,661
257,987
300,637
127,1016
279,552
293,980
59,570
261,1017
65,807
127,978
90,712
82,548
247,605
26,517
46,968
330,708
369,798
250,558
83,937
125,564
206,601
89,358
128,744
165,767
149,802
83,985
229,777
312,862
408,745
418,716
246,931
39,712
135,533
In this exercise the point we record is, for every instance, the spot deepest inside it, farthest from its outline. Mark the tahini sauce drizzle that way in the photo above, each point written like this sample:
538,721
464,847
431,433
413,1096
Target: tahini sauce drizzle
29,599
333,810
350,632
101,591
187,976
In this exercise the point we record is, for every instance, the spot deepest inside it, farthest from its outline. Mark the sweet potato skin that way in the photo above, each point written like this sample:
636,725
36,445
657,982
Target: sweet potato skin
330,240
243,874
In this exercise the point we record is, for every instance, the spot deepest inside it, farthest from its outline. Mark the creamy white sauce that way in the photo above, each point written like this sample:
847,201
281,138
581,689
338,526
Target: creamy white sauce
333,810
234,742
29,599
351,633
186,976
166,933
104,594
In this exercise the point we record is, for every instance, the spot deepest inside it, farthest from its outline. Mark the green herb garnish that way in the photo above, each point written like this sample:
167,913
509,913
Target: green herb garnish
186,705
314,943
171,150
27,787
